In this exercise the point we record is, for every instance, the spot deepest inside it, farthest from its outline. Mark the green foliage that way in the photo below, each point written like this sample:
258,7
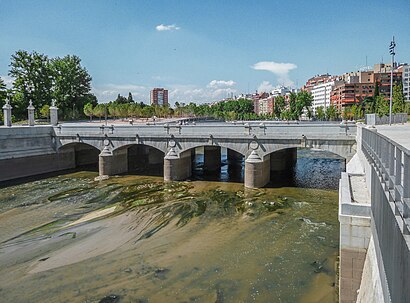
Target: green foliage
347,113
331,113
40,79
370,105
130,99
398,103
279,106
3,93
407,108
45,111
88,110
72,85
320,113
32,81
99,110
382,106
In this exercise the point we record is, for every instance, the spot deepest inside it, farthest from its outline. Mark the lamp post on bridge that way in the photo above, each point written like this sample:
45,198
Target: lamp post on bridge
392,53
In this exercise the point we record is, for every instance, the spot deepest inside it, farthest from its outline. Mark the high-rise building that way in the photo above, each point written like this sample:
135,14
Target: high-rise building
159,96
322,94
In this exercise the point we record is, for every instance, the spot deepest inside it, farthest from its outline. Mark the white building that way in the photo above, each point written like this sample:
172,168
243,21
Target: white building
406,82
321,94
280,91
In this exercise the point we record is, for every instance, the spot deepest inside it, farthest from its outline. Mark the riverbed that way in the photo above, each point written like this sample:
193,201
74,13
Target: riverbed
134,238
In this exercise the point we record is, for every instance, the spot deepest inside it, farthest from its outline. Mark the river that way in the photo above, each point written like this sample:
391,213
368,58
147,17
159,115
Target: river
134,238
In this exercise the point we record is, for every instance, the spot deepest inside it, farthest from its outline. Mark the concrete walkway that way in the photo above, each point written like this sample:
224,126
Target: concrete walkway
399,133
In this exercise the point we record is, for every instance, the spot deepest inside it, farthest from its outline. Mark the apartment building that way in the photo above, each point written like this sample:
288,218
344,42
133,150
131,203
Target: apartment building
322,94
405,73
159,96
347,94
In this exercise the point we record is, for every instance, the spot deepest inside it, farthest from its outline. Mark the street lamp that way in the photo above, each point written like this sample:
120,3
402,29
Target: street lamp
392,53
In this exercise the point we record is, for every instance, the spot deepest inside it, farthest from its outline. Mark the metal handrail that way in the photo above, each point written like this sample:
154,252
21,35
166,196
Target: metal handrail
392,163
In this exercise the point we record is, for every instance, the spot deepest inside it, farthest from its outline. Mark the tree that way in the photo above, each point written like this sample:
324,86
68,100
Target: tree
45,111
292,114
121,100
279,106
3,93
347,113
130,99
32,81
99,111
88,110
304,100
72,85
320,113
398,103
382,106
331,113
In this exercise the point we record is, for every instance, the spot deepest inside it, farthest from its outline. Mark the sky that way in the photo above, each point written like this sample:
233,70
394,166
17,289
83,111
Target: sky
203,51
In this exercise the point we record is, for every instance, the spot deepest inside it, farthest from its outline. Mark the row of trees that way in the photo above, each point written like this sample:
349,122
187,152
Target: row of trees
41,79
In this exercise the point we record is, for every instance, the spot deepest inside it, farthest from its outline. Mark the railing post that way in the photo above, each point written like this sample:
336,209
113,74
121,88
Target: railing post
391,165
397,175
406,178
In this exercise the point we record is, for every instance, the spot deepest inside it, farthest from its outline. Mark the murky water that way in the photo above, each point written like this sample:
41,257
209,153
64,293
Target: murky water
137,239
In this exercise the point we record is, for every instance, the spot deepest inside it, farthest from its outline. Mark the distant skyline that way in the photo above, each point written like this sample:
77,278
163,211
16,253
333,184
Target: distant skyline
203,51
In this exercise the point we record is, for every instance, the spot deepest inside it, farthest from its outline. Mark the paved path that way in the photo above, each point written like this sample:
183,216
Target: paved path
398,133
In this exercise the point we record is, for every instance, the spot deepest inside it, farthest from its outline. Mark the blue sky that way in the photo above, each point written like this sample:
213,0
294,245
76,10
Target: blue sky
205,50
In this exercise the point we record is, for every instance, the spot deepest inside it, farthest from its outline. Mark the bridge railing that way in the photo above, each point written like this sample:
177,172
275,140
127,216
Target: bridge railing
223,129
392,163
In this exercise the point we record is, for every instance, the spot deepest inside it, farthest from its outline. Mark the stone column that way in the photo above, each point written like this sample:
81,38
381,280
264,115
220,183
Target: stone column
7,113
177,167
212,158
257,170
30,110
54,114
112,163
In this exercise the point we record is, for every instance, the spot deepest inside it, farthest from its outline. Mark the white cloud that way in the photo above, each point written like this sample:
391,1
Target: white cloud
265,86
221,83
109,92
183,93
163,27
281,70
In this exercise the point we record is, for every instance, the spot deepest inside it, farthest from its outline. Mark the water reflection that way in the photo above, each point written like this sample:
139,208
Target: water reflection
313,169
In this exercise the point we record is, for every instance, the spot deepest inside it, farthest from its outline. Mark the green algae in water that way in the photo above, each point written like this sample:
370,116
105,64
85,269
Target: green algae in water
230,244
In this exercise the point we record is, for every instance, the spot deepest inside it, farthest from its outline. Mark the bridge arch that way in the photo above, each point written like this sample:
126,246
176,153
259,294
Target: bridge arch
140,158
79,154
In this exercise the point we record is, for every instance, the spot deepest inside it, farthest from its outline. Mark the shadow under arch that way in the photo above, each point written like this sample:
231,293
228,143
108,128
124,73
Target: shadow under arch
216,163
81,155
143,159
305,168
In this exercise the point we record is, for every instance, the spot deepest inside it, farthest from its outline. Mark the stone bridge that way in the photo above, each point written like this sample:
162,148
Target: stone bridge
264,147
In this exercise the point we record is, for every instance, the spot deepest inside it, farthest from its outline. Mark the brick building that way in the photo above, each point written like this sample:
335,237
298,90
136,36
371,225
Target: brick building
159,96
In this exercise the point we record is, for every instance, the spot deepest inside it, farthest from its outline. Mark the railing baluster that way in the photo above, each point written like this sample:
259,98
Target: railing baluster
391,165
406,177
397,175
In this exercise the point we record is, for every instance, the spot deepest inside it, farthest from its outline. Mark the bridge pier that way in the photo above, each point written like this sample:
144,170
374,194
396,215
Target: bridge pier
257,170
212,158
113,163
177,168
